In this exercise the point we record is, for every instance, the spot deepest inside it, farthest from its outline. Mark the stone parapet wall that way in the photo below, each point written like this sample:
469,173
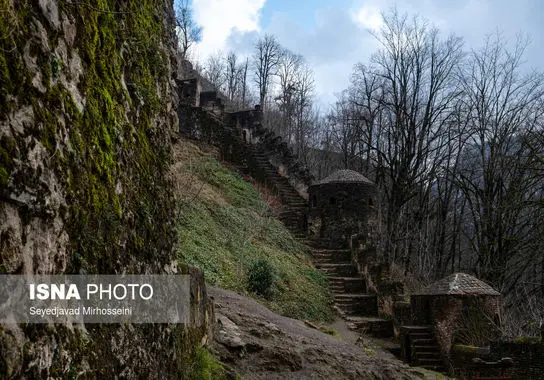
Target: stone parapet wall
528,357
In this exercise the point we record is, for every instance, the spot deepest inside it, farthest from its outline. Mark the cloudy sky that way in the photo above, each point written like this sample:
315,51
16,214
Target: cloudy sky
333,35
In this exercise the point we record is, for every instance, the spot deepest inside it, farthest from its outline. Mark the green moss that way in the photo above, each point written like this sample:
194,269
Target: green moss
527,340
465,348
4,177
205,367
7,153
106,149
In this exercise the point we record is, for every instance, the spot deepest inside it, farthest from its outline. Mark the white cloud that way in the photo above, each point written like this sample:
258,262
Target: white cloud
219,18
369,17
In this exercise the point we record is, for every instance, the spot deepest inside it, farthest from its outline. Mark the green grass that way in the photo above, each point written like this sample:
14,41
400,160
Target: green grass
225,233
205,367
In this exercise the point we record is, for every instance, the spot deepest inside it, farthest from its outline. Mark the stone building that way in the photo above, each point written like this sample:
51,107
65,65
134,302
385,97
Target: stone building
340,206
460,308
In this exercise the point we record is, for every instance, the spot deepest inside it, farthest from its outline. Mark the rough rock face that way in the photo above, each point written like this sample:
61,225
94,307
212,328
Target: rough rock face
87,108
258,344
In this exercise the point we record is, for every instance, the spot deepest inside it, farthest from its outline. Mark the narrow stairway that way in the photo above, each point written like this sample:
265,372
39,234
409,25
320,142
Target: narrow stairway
423,349
295,207
355,305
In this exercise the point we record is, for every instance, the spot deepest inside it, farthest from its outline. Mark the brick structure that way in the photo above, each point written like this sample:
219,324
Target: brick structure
460,308
340,206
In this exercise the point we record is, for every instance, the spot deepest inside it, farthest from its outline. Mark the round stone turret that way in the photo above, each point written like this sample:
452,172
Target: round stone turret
340,206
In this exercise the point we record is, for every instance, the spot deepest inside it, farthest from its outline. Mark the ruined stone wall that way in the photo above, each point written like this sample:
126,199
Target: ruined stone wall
87,112
528,358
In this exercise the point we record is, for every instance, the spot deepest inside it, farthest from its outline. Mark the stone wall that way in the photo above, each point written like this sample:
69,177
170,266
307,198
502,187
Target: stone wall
528,358
341,209
87,112
462,364
467,319
206,115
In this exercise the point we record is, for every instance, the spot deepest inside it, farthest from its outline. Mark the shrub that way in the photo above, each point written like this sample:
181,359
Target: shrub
261,277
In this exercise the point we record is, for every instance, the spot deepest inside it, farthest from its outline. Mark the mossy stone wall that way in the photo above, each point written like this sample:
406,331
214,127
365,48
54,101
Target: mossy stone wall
87,112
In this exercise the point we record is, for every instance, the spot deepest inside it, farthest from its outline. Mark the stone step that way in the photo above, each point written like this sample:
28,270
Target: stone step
348,284
293,213
330,260
435,368
424,355
338,270
287,190
291,216
429,348
377,327
291,197
332,256
297,207
428,341
356,310
330,251
363,305
294,222
428,361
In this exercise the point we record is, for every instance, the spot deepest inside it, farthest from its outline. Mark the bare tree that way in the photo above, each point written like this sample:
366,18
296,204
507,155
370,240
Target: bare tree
214,70
288,68
265,62
189,32
304,116
501,107
243,78
411,89
232,75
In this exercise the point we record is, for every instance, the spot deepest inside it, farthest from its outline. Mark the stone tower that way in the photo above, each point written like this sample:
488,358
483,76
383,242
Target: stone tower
340,206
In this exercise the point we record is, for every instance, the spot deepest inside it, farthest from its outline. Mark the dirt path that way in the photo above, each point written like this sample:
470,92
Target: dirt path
259,344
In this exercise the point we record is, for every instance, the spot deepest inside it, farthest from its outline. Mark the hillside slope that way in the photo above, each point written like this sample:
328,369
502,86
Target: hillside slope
225,226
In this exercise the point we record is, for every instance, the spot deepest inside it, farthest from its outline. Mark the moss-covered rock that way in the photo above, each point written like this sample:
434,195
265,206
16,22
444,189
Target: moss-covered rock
86,118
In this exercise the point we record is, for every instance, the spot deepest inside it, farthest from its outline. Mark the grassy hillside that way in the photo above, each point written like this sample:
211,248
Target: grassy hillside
225,226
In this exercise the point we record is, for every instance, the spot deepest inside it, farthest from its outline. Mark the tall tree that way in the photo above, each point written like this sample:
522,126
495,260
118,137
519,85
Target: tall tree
265,62
214,70
288,70
189,32
232,75
415,69
502,105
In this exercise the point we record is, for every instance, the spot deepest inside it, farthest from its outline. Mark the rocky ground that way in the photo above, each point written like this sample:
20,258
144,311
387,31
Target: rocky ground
256,343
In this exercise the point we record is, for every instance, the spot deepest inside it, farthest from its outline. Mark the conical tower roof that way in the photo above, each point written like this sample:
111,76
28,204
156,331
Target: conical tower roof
459,284
345,176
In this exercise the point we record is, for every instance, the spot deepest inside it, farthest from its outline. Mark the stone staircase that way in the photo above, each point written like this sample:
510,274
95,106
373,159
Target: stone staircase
356,306
423,349
295,207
